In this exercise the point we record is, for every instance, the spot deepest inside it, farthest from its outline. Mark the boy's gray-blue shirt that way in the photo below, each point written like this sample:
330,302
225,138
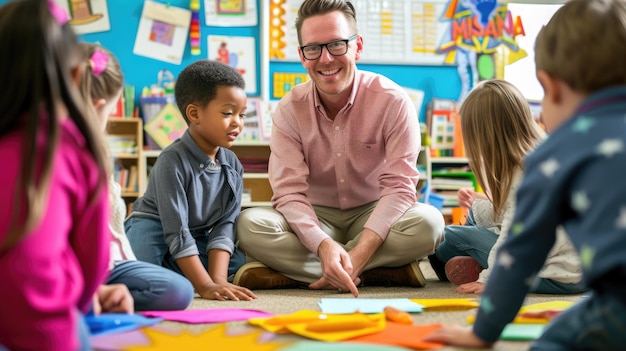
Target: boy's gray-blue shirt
193,199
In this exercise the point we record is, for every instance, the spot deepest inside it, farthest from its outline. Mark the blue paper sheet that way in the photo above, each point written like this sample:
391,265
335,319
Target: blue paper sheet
350,305
112,323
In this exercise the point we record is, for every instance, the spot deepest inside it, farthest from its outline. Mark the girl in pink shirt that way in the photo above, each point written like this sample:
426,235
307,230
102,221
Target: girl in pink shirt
54,233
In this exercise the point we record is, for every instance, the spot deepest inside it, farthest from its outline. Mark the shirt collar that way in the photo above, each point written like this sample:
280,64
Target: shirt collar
203,160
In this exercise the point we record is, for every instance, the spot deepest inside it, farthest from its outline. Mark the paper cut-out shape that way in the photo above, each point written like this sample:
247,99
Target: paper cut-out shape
522,331
339,327
410,336
114,323
213,338
446,304
552,306
210,315
348,305
278,324
329,346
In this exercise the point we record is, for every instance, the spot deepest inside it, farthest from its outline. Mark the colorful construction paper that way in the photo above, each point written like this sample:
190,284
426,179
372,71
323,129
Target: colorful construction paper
403,335
116,342
330,346
115,323
210,315
339,327
446,304
522,331
552,306
278,324
350,305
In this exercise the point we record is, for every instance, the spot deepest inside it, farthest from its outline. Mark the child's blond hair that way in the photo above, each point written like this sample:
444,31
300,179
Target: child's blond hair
498,131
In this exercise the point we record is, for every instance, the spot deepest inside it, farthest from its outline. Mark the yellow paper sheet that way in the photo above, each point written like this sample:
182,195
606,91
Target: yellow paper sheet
446,304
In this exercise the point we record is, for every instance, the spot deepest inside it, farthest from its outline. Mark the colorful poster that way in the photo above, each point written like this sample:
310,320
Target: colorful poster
87,16
237,52
162,33
167,126
231,13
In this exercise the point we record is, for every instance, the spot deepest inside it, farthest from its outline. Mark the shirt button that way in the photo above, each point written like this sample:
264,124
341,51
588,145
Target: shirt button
339,154
202,165
337,128
341,180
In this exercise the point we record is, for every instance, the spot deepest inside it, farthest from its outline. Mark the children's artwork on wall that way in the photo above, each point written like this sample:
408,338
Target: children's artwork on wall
167,126
237,52
481,40
87,16
231,13
162,33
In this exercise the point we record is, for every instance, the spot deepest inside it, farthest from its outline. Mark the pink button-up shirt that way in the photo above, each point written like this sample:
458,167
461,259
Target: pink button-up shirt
367,153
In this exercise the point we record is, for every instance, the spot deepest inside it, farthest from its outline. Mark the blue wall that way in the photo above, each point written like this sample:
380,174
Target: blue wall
124,15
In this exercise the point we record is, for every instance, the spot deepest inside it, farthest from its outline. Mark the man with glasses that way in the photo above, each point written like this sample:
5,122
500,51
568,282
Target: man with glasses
343,171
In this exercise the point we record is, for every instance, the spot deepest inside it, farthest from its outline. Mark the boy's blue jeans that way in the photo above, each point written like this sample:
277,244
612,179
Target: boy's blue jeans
597,322
146,238
153,287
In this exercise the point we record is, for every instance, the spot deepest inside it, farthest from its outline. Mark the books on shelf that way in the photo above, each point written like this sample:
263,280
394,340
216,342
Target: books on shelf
120,144
126,177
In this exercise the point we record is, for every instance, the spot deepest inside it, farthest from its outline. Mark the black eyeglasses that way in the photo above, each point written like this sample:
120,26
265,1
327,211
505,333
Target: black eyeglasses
335,48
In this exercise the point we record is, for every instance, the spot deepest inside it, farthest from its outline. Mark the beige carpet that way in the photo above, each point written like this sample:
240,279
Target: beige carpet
291,300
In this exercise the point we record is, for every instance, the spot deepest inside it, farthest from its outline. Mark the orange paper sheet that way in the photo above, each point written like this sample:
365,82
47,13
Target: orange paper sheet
410,336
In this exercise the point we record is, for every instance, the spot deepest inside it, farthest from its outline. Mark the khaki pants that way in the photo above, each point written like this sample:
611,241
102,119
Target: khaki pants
265,236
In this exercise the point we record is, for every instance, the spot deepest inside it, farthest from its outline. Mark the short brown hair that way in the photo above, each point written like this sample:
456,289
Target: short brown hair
310,8
584,45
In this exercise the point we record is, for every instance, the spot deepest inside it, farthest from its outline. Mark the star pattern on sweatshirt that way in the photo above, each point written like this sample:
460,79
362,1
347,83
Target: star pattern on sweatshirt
486,305
505,260
583,124
517,228
550,167
610,147
587,254
580,201
531,281
620,223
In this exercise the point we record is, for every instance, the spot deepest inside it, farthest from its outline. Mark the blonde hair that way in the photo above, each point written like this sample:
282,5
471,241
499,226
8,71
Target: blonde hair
498,131
584,45
106,84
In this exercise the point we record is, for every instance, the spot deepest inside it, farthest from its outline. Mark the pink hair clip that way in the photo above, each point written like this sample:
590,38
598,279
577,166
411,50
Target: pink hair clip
58,13
98,62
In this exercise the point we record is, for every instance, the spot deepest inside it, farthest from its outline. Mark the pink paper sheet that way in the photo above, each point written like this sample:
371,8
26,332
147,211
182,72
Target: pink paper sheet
210,315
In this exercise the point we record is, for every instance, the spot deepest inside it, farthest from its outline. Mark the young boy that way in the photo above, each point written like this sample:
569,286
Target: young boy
574,178
186,219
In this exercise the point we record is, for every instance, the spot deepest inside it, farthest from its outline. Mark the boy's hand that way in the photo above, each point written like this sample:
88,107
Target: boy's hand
457,336
113,298
226,291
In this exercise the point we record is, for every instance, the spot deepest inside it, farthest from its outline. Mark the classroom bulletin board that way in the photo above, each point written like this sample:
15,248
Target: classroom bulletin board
412,70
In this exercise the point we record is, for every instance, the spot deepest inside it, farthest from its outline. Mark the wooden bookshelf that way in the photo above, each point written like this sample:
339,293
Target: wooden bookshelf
125,138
